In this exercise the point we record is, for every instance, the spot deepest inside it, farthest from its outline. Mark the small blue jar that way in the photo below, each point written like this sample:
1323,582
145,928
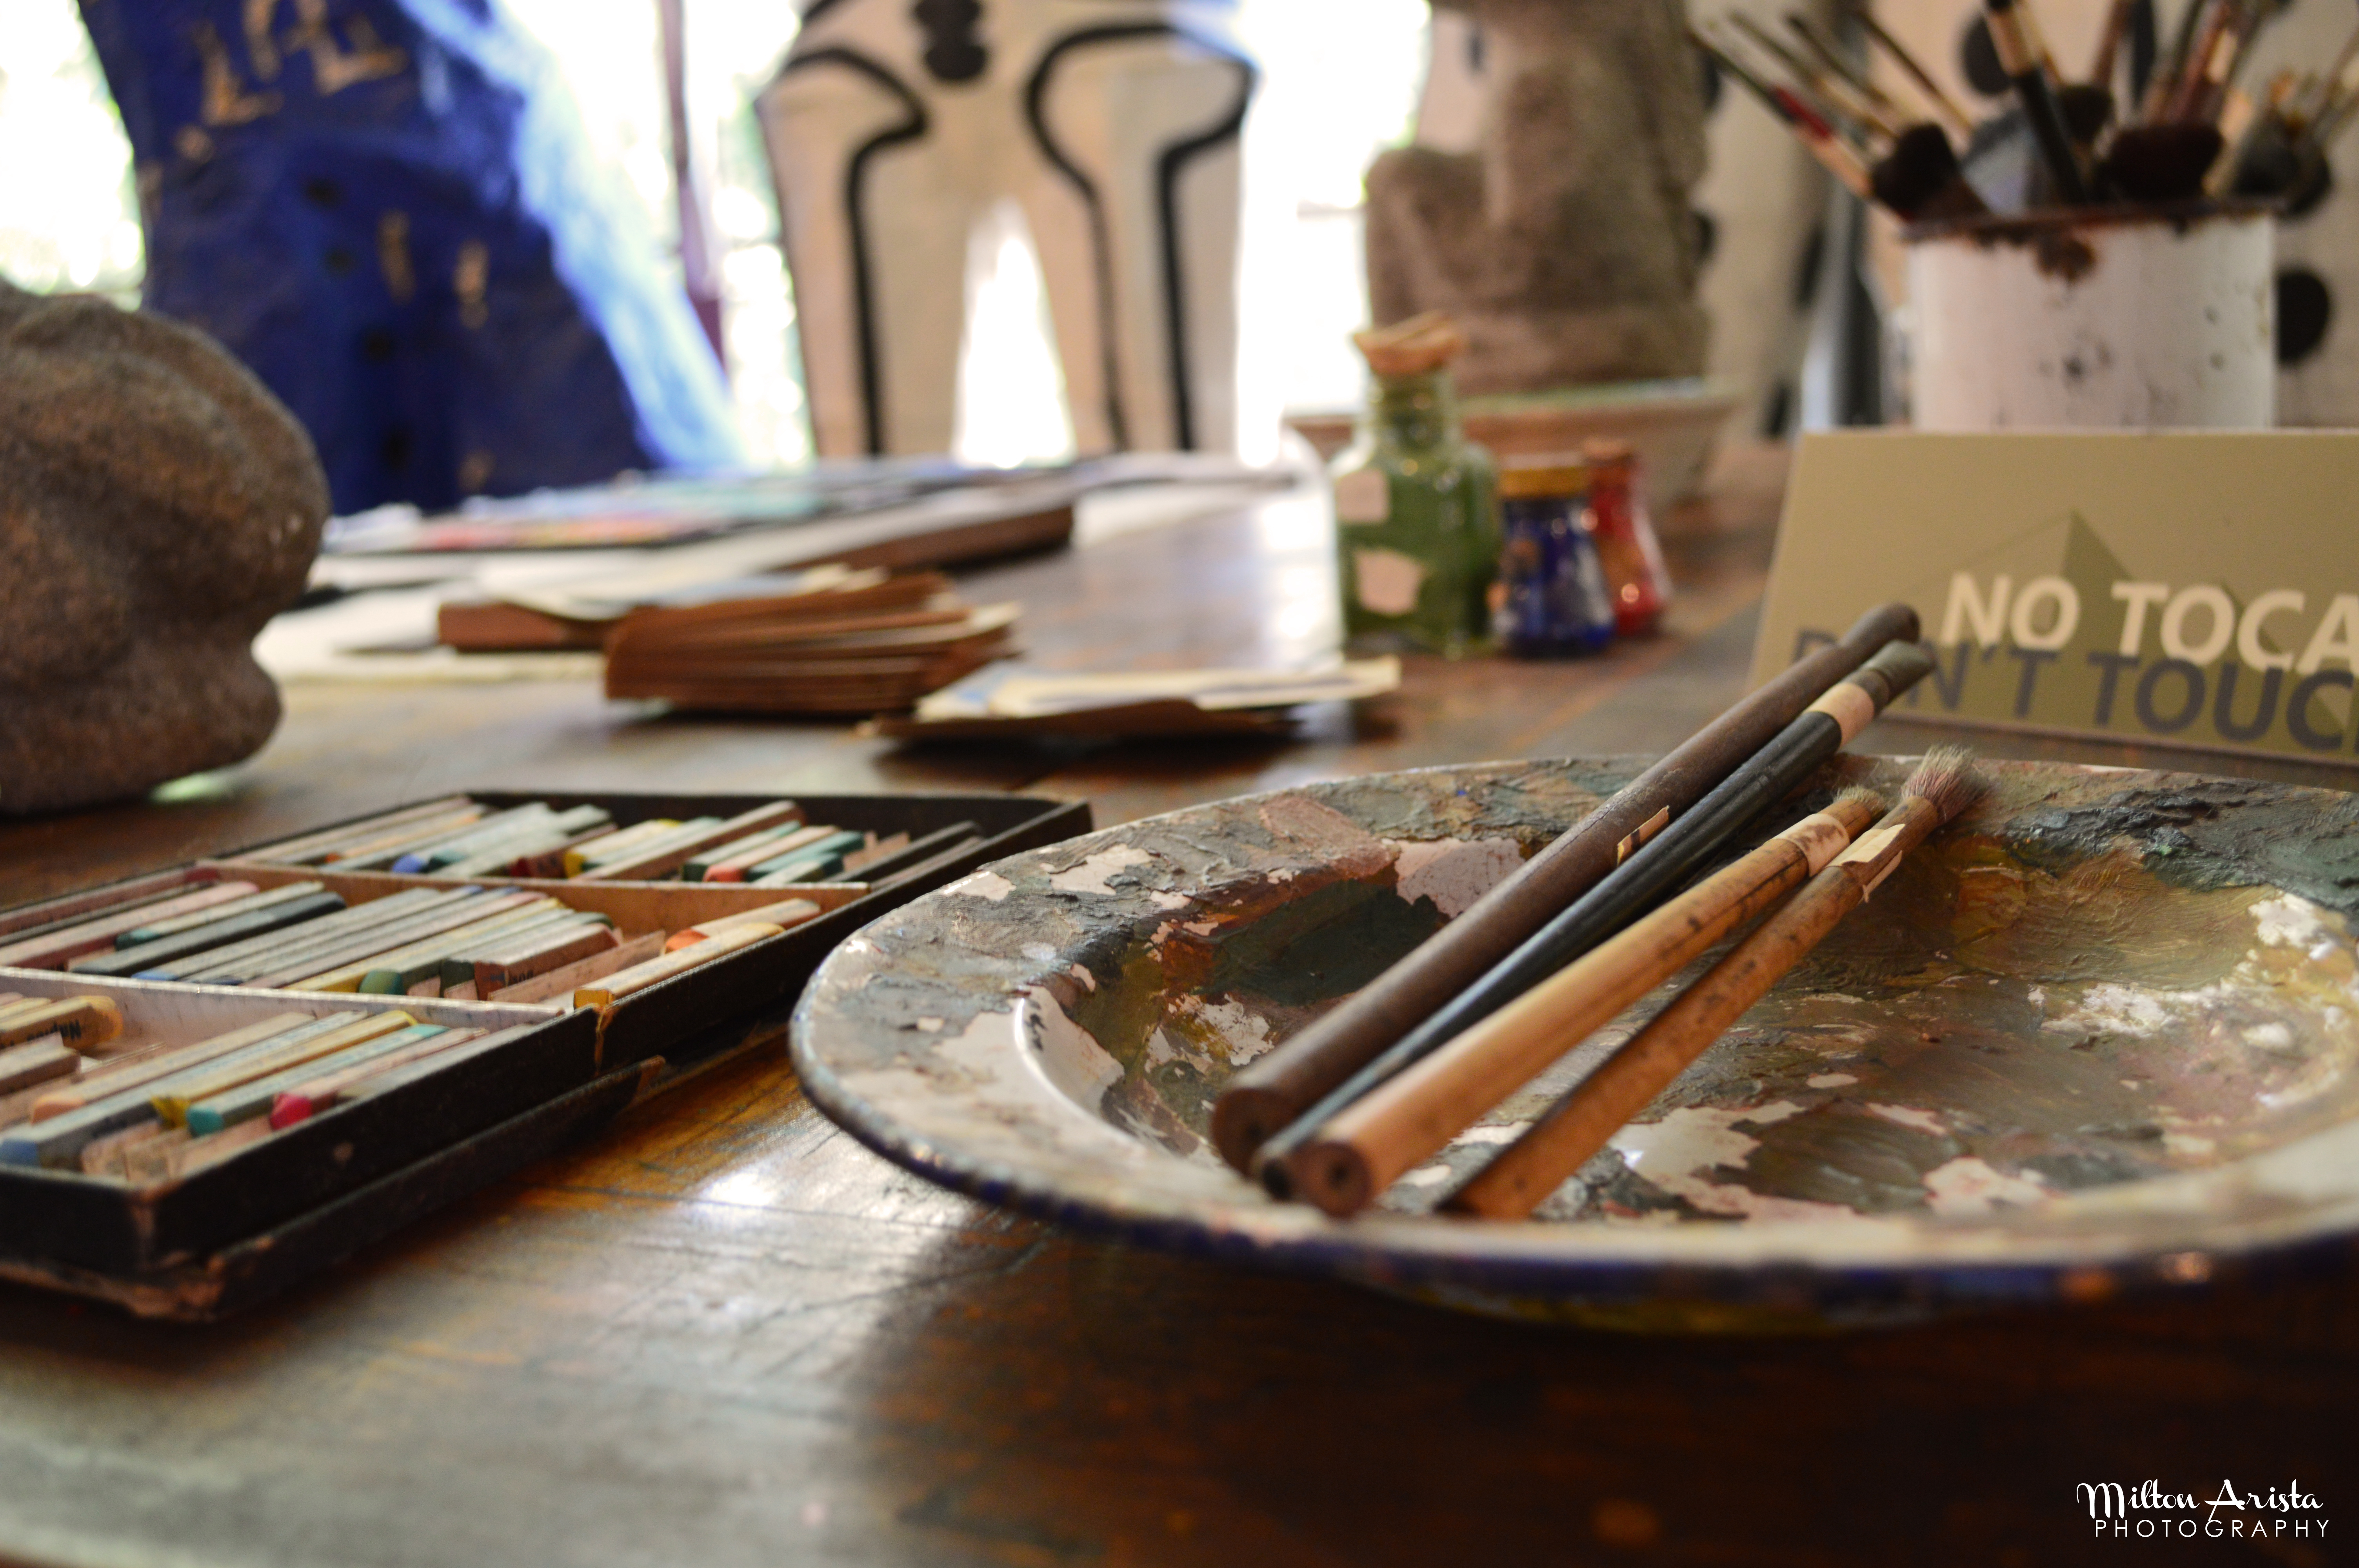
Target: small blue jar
1551,599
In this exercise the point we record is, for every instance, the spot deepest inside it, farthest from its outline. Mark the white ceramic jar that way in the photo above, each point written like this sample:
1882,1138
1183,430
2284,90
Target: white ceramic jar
2096,319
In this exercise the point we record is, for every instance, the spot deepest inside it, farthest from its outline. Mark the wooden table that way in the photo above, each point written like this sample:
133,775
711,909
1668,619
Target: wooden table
725,1334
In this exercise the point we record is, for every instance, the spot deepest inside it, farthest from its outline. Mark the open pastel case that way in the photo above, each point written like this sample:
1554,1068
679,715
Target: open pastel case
218,1235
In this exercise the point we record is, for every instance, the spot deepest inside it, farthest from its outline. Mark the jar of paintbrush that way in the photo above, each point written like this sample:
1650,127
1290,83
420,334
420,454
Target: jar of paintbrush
2100,253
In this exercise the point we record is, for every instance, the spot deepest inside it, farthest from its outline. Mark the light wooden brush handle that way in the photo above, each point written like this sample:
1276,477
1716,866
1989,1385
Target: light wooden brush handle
1578,1126
1370,1143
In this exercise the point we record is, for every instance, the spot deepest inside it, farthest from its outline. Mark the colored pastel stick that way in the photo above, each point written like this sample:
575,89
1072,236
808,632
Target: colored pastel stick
562,982
348,975
789,912
224,966
252,1100
37,1061
817,870
57,1142
381,1078
45,915
550,950
731,862
458,965
654,857
608,845
533,839
458,846
463,908
385,847
545,858
396,975
150,955
55,950
886,863
703,861
834,847
672,853
84,912
305,1098
614,986
315,847
172,1099
80,1023
271,898
116,1074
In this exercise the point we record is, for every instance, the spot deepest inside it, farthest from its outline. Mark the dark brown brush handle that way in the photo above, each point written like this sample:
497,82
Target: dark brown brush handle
1270,1093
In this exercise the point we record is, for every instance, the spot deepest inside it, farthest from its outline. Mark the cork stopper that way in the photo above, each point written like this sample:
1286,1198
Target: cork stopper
1414,347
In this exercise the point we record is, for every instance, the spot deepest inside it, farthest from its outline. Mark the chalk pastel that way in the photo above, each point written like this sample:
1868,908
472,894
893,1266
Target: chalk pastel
153,955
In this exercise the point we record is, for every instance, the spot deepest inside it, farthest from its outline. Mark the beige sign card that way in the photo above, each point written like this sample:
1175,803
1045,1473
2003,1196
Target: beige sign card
2195,590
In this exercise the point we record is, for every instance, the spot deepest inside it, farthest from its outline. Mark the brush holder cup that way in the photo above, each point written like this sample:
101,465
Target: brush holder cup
2129,318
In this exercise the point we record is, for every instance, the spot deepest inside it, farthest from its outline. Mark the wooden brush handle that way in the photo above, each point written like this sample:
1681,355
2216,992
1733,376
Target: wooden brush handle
1282,1085
1401,1122
1579,1125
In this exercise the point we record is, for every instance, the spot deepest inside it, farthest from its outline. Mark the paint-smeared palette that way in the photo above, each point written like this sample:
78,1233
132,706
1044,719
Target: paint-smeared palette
2100,1032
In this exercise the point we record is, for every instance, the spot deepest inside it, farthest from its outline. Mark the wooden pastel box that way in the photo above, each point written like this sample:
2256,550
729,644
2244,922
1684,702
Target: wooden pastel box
198,1241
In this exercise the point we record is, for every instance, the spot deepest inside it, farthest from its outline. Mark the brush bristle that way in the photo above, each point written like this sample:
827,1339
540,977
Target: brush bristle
1947,779
1860,794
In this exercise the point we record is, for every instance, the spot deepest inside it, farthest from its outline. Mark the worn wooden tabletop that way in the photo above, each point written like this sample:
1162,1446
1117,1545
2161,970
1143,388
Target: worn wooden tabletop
724,1333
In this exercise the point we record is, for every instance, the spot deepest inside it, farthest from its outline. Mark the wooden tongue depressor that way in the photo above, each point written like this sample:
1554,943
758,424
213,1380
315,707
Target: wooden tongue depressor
1272,1091
1408,1117
1579,1125
614,986
1631,888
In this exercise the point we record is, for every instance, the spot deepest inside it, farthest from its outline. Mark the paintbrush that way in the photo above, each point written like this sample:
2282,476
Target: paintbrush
2109,43
1816,133
1848,102
2164,162
1579,1125
1834,58
1406,1120
1921,178
1630,890
2025,60
1275,1089
1945,105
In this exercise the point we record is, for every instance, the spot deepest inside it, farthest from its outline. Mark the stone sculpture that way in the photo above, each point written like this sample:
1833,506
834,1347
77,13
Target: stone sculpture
158,505
1563,243
896,131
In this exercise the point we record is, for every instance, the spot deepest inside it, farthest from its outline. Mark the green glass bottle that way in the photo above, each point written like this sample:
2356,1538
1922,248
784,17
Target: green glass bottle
1417,533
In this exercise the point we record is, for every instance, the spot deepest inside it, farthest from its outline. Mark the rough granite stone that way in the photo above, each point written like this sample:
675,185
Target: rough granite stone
157,507
1564,245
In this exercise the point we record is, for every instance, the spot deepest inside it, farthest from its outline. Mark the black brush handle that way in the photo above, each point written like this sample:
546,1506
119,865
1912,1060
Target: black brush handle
1626,892
2028,71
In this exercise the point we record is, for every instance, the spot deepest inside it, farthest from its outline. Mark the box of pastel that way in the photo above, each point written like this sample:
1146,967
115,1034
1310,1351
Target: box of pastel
221,1076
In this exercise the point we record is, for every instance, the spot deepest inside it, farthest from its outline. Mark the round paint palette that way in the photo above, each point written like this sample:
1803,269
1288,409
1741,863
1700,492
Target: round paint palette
2102,1031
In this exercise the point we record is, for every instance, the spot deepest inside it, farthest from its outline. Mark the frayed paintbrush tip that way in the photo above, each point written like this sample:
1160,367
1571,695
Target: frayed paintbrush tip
1860,794
1948,779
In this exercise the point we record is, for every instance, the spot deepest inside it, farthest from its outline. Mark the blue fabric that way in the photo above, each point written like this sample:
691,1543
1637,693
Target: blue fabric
387,210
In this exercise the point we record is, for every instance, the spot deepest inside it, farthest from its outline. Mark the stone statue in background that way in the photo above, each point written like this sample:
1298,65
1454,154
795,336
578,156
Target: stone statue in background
157,507
1564,244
